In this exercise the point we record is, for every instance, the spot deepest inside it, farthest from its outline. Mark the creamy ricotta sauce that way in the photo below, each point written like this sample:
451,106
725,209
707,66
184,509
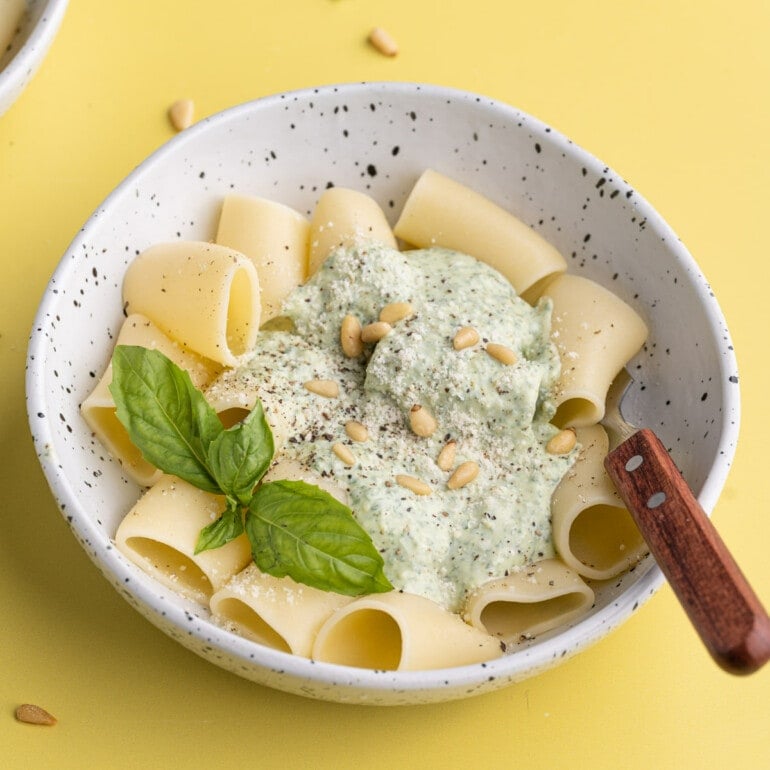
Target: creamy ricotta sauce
445,544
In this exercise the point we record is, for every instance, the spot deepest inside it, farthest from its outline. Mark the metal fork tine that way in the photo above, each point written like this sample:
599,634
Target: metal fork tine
618,429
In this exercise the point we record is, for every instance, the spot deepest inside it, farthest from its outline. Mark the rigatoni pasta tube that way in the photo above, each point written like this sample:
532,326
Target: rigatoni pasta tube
593,533
596,334
160,532
275,238
399,631
98,409
203,295
442,212
528,602
344,217
276,612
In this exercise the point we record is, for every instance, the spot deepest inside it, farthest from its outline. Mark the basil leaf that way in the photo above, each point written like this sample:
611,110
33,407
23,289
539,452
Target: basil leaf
295,529
226,528
239,456
299,530
166,417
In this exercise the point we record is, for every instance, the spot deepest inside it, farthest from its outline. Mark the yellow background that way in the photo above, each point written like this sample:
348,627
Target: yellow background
674,94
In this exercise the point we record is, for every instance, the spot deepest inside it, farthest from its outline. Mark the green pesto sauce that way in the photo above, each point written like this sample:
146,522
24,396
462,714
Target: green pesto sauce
443,545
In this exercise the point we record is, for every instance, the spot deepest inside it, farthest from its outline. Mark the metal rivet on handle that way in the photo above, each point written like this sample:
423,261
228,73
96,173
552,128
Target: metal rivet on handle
634,463
656,500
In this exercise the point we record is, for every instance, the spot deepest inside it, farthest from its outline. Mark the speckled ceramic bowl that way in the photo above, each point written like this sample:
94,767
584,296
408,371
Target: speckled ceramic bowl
378,138
28,48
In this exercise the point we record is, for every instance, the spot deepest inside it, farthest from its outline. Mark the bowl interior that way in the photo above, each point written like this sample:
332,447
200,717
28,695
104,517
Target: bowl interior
27,49
378,138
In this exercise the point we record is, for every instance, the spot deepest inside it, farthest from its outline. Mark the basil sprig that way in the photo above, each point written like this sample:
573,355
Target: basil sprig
294,528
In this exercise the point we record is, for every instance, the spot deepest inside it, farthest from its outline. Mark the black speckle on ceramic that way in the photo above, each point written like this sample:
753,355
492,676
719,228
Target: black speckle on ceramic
378,138
27,50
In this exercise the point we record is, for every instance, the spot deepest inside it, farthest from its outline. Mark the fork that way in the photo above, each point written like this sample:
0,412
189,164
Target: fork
720,603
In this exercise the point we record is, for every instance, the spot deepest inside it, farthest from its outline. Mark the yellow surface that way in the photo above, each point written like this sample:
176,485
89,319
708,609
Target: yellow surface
673,94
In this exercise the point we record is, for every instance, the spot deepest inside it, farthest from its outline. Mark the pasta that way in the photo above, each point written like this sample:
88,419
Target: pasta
98,409
441,212
342,217
276,612
593,533
208,316
528,602
160,533
275,238
203,295
596,333
399,631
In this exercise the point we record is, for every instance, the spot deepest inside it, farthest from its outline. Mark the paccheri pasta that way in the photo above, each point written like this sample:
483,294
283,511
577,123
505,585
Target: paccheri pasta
416,386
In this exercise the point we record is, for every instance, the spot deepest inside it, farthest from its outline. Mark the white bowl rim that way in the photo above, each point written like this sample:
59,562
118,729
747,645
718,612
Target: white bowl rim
31,54
509,668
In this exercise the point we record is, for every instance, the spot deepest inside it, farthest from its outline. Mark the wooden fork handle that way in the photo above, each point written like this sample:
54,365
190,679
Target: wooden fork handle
709,584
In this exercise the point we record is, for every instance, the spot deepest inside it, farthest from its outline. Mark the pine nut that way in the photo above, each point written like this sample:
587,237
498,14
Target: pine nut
562,443
356,431
344,454
350,337
396,311
375,332
34,715
446,457
180,113
421,421
465,338
383,42
413,485
501,353
325,388
464,474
